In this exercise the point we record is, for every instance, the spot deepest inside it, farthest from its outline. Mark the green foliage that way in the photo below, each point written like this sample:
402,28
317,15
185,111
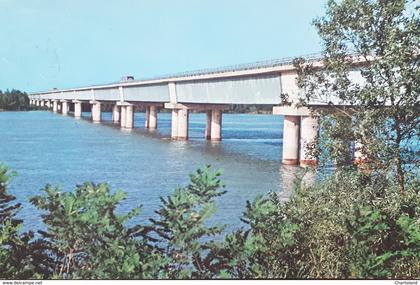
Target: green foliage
16,255
181,225
14,100
348,226
383,107
86,237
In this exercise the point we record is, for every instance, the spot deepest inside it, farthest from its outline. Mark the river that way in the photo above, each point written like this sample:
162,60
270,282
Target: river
43,147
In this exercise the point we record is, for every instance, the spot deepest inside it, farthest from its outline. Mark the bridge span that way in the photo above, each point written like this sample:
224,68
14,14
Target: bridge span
211,91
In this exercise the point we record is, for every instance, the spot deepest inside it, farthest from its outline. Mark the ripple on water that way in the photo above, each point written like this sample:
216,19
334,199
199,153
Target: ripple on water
48,148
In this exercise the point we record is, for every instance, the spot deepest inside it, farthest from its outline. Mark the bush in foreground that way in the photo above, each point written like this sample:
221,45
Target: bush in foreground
350,225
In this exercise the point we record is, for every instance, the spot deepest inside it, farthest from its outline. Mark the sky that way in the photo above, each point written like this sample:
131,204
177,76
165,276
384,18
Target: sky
47,44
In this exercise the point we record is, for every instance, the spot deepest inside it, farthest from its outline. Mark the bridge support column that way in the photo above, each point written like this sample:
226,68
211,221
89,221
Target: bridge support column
291,128
216,125
180,116
42,103
55,106
96,111
123,116
183,116
147,117
115,114
48,104
153,117
174,124
207,133
308,135
77,109
129,116
64,107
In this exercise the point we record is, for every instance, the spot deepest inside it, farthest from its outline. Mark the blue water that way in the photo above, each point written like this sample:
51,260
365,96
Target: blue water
49,148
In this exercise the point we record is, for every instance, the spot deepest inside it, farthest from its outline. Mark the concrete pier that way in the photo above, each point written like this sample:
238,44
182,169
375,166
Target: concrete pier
183,118
42,103
147,117
308,135
115,114
216,125
207,133
174,124
64,107
55,106
291,129
96,111
123,116
126,115
180,116
153,113
129,116
77,109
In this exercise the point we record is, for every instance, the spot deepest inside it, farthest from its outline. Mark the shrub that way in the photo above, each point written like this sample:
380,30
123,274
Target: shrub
348,226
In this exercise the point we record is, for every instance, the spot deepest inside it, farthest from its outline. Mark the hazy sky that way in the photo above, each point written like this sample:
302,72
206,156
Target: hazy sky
59,43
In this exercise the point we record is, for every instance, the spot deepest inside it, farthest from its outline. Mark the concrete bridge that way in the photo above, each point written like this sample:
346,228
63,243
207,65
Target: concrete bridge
211,91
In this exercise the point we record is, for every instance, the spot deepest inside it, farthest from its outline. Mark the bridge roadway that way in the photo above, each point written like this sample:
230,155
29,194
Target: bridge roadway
211,91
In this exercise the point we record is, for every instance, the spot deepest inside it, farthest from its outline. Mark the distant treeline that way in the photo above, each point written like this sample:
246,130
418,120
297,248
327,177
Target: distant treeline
14,100
236,108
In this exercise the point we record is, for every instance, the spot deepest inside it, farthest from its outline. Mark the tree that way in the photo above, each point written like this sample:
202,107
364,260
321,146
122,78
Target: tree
362,228
382,39
87,238
14,100
16,254
181,226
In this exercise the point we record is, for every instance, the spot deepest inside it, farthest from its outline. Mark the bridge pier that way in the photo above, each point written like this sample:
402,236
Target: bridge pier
291,136
174,124
123,115
213,125
180,118
64,107
115,114
55,106
216,125
300,130
183,122
127,115
96,111
48,104
153,113
77,109
207,133
42,103
309,133
147,117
